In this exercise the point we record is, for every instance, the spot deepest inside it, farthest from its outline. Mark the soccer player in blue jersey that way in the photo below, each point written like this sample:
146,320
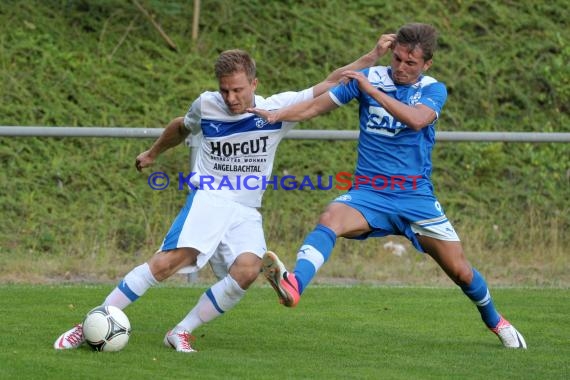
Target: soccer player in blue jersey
219,224
399,107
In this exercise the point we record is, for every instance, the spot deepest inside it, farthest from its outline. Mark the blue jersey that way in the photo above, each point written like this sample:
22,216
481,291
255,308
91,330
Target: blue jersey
389,150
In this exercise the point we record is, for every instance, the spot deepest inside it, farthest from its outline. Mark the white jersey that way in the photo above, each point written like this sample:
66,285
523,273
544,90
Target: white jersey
236,152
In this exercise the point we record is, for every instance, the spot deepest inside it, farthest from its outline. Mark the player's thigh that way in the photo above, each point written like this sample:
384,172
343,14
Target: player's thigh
344,220
164,264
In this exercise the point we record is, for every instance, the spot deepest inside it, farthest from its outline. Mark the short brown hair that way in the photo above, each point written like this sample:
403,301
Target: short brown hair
419,35
235,60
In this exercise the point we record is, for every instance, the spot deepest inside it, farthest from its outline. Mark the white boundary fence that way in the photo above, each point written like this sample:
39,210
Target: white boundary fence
530,137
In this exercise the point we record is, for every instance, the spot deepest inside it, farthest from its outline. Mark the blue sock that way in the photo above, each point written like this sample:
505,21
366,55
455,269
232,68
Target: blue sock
314,252
478,292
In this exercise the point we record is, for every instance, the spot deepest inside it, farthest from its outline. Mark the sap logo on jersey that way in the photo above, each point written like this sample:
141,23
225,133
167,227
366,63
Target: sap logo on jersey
381,122
227,149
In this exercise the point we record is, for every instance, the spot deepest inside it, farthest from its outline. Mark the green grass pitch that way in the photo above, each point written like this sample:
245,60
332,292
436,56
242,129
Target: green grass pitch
357,332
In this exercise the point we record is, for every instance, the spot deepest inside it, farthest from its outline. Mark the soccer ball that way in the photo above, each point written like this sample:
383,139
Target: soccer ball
106,328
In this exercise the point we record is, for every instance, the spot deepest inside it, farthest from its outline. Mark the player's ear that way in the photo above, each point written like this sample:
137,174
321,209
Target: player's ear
254,84
427,64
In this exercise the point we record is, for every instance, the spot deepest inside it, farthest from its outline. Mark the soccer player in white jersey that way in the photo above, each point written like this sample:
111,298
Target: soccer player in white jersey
219,223
392,191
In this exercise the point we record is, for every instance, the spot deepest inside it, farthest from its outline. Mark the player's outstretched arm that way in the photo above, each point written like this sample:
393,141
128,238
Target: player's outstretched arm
173,134
298,112
383,45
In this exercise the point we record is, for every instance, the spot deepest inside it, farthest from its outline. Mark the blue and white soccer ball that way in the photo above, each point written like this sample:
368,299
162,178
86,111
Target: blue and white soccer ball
106,328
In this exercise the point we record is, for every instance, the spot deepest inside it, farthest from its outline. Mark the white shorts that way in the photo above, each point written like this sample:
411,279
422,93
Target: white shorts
438,228
220,229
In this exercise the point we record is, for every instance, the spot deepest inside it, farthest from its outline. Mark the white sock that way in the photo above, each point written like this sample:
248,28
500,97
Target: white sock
221,297
133,286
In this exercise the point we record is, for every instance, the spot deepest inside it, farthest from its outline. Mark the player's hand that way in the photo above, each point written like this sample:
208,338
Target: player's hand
269,116
385,43
363,82
143,160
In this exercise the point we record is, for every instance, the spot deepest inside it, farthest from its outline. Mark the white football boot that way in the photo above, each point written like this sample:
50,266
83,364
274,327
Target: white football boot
70,339
508,335
180,340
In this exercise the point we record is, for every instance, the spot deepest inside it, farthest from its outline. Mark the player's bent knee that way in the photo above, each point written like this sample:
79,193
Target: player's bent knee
330,220
248,279
464,276
244,280
245,275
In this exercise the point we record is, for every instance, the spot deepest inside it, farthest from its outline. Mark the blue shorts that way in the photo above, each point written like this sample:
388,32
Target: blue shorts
402,213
